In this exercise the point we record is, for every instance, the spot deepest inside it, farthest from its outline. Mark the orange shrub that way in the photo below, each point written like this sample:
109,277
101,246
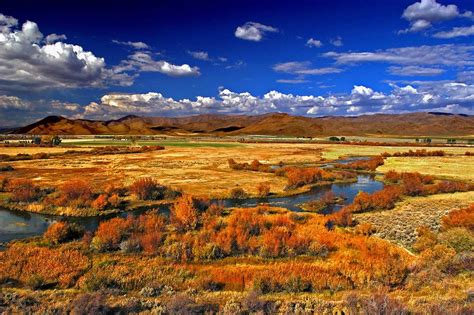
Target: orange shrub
379,200
147,189
184,215
112,232
62,231
460,218
39,267
263,190
76,193
23,190
100,203
114,200
392,176
238,193
298,177
365,165
151,227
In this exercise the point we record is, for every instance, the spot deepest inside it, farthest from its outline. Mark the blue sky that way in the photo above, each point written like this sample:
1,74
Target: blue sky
103,60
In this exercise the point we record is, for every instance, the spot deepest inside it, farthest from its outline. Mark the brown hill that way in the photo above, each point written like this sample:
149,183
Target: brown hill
414,124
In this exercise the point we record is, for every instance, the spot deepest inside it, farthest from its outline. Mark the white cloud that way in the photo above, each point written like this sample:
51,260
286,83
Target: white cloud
303,68
253,31
456,32
292,81
52,38
314,43
9,102
414,71
28,64
422,14
336,41
362,90
200,55
134,45
142,61
442,55
7,22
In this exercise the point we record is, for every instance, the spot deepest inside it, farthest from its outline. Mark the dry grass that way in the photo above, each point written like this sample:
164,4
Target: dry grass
333,151
202,171
33,150
452,167
399,224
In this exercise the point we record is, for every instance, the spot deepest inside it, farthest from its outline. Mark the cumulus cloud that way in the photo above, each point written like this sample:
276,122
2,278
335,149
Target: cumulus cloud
360,100
443,55
414,71
13,102
253,31
314,43
52,38
456,32
134,45
142,61
421,15
26,63
420,96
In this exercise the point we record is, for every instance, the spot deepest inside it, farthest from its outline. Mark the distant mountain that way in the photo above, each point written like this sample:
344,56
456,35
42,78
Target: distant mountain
414,124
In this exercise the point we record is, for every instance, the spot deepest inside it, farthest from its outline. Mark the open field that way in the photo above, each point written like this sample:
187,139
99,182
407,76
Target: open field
333,151
451,167
200,170
399,224
33,150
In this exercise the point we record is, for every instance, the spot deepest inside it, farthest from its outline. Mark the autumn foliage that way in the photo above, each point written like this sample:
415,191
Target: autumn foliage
23,190
62,231
75,193
364,165
298,177
147,189
460,218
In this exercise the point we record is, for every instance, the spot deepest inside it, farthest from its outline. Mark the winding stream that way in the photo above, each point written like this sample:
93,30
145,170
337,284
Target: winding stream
18,225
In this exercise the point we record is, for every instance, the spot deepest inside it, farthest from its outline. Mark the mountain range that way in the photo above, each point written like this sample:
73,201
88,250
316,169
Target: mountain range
413,124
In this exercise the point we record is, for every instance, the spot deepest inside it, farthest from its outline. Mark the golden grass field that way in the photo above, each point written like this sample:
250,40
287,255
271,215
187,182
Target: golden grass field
203,170
449,167
333,151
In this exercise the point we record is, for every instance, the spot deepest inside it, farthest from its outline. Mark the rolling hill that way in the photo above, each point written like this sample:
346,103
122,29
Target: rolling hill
413,124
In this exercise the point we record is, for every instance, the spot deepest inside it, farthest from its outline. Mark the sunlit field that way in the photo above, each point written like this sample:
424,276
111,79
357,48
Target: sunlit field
383,240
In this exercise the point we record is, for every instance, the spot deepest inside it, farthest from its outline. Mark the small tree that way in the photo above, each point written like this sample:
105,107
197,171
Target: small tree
184,215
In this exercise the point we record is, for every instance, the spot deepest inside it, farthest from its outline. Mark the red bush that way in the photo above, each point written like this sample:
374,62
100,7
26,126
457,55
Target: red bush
23,190
147,189
100,203
112,232
75,192
460,218
298,177
184,215
62,231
